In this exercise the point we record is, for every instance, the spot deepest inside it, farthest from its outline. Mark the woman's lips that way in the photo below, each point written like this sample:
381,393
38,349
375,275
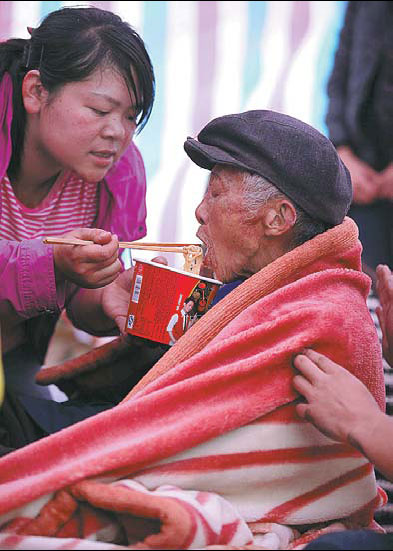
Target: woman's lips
103,158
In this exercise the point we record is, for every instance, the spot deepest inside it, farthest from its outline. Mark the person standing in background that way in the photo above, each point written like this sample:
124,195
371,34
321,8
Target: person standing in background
359,121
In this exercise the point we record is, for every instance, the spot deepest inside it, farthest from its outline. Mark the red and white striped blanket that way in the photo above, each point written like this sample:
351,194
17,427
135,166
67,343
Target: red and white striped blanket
208,449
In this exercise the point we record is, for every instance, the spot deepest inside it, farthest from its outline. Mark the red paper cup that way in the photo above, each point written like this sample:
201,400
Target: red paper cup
165,302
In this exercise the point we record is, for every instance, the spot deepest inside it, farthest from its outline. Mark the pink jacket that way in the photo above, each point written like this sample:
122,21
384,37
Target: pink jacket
27,278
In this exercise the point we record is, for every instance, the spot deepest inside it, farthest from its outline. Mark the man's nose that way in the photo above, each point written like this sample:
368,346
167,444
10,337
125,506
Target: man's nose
200,213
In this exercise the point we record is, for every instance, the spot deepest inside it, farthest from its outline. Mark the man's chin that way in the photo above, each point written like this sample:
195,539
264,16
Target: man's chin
206,271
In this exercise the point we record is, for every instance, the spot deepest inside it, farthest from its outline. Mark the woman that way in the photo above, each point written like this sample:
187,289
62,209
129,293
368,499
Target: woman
71,99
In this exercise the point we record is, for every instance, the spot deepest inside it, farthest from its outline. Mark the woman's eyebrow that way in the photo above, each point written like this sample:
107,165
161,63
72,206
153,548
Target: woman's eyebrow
107,97
113,101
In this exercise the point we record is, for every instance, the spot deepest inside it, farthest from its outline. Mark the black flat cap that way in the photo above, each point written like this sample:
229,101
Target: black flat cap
300,161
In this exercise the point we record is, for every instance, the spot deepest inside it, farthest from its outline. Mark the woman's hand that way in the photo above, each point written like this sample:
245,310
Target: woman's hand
385,311
338,403
365,180
116,298
89,266
342,408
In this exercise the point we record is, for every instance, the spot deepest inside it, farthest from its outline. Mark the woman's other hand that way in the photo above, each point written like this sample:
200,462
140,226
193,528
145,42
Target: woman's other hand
337,402
385,311
116,296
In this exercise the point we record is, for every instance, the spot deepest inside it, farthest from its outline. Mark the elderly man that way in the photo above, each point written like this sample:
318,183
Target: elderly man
208,447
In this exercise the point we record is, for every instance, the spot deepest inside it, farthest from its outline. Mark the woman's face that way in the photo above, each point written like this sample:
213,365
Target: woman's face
86,126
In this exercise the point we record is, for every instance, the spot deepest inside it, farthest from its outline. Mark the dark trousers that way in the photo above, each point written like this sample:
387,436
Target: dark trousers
375,224
29,412
353,539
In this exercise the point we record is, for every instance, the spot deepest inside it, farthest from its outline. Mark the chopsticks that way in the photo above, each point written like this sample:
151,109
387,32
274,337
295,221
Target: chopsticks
160,247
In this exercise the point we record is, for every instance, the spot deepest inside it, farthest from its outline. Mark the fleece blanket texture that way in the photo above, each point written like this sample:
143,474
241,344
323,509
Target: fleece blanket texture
207,449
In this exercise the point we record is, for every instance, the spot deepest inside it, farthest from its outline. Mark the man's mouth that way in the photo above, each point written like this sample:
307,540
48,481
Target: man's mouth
203,245
205,251
206,262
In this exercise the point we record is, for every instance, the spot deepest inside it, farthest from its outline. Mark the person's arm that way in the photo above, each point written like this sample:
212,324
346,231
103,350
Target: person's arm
385,310
338,82
171,325
366,181
27,280
385,183
33,275
364,178
343,409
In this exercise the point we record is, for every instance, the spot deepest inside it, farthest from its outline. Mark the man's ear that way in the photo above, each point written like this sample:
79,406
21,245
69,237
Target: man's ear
279,217
33,92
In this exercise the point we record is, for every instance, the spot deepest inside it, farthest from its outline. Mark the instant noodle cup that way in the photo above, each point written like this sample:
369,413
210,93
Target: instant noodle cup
166,302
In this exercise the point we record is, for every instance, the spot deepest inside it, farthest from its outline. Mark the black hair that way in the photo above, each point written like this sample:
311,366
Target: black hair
68,46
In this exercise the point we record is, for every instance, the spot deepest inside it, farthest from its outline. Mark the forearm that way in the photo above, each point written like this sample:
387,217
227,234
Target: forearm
86,313
375,440
27,280
338,82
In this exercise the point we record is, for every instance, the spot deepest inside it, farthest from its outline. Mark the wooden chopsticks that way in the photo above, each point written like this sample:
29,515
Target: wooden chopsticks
160,247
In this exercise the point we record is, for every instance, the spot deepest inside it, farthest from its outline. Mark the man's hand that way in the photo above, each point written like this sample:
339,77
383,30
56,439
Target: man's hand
90,266
385,311
365,180
385,183
338,403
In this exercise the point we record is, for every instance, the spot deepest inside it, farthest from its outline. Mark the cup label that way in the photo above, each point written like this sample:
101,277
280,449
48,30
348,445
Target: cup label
164,304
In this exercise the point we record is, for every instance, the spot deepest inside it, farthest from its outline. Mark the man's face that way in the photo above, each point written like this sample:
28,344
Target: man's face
225,226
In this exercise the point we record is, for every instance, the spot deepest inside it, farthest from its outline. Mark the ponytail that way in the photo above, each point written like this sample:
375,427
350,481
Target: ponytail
13,54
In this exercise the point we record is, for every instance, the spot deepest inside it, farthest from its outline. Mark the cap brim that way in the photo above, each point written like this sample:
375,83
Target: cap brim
206,156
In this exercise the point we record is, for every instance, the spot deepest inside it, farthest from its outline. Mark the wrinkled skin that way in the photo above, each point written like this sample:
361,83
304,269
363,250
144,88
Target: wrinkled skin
226,228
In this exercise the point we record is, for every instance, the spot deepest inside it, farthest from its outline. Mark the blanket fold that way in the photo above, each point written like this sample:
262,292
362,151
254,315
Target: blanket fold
216,416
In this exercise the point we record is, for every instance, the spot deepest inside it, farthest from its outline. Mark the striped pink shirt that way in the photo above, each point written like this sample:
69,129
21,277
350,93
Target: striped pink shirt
71,203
